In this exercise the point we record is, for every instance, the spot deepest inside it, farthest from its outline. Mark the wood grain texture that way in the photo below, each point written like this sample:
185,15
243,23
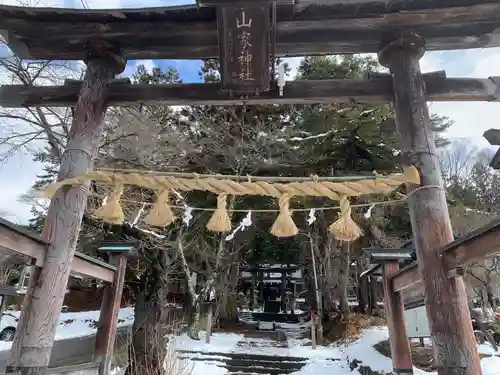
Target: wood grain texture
190,32
398,336
446,301
39,318
108,319
22,245
476,246
91,270
372,90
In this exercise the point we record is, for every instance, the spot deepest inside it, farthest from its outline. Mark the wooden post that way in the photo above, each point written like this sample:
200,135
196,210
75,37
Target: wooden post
252,303
369,309
313,329
398,336
445,298
209,323
261,277
283,292
108,319
32,346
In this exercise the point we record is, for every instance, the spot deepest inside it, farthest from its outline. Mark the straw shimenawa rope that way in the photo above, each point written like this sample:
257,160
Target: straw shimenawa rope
333,190
222,186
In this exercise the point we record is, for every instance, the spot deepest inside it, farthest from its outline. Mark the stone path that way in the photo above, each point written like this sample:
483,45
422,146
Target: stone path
247,361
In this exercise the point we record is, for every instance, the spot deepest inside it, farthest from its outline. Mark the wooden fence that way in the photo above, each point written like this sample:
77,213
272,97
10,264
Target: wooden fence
455,256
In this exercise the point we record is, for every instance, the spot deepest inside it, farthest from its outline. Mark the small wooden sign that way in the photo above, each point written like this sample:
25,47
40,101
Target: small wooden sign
244,46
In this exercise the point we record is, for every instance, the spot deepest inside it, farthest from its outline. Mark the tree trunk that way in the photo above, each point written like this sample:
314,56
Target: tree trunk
228,313
490,291
331,272
445,298
148,345
191,298
194,308
345,261
363,287
34,338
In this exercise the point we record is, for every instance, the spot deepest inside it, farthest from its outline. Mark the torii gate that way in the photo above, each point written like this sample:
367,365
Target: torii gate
399,31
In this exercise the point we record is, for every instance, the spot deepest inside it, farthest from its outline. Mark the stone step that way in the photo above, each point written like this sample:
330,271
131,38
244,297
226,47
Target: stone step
246,362
258,370
256,357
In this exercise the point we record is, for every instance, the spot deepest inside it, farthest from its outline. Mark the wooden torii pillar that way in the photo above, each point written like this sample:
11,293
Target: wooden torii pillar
32,346
453,340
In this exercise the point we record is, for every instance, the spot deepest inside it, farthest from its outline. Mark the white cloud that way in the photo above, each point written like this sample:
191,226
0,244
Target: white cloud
471,119
293,65
17,176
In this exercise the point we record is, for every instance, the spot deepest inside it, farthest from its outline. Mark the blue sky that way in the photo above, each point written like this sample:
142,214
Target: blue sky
188,69
471,119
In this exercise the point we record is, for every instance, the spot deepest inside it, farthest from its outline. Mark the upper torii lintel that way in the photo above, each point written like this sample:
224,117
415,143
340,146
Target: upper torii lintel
302,29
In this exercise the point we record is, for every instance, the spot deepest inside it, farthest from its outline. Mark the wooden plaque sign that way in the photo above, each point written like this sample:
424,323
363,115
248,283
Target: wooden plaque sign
244,46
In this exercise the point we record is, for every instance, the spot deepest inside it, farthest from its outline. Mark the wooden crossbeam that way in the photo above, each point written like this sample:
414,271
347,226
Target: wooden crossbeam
478,245
303,29
405,277
371,90
16,240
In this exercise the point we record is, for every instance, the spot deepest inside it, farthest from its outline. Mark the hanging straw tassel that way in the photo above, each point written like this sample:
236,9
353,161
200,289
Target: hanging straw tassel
161,214
411,175
345,229
111,211
220,221
284,225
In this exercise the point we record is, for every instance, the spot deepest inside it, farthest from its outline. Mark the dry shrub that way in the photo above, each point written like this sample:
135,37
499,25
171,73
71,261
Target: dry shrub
172,364
175,366
348,330
422,356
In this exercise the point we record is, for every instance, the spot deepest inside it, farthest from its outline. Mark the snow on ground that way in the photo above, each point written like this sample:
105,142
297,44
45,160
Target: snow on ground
364,351
85,323
205,368
317,364
324,367
487,349
219,342
79,324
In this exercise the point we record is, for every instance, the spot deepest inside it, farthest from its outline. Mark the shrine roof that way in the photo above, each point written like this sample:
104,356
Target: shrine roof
303,28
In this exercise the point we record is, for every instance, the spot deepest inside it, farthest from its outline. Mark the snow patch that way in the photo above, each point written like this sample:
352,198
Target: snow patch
219,342
324,367
79,324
